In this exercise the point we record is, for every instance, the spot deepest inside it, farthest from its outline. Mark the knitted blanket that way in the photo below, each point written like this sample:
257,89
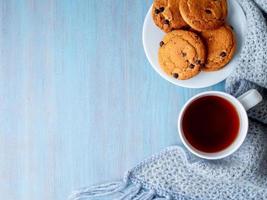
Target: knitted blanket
174,174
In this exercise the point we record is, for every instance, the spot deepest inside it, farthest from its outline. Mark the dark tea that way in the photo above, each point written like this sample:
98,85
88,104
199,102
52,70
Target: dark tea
210,124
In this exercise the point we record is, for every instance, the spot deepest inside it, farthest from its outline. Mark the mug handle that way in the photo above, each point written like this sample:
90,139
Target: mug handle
250,99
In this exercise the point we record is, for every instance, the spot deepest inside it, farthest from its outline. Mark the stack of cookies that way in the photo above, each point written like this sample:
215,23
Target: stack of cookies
197,37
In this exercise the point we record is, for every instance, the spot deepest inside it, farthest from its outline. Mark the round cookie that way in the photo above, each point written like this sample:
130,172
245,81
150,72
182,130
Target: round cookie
166,15
221,46
181,54
204,14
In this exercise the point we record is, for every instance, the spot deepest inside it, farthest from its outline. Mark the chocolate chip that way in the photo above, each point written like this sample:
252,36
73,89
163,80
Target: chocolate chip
198,62
231,27
208,11
175,75
191,66
157,11
223,54
166,22
161,9
161,43
183,54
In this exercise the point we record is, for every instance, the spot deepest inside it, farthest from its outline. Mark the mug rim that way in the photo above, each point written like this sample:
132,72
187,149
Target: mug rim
234,146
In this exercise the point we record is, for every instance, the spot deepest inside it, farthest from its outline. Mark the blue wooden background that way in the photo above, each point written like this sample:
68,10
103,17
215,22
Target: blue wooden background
79,102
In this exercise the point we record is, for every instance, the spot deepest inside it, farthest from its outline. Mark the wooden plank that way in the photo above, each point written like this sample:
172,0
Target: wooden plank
80,103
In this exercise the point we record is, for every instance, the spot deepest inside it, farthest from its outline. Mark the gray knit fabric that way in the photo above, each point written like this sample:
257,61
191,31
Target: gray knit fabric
251,71
176,174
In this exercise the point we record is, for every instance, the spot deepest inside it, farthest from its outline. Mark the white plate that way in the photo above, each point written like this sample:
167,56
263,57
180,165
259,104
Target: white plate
152,36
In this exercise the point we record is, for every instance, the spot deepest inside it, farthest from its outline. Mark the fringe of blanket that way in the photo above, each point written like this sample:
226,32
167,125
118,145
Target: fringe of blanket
119,190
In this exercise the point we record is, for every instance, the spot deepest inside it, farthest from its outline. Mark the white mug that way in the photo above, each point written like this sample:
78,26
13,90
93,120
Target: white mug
241,104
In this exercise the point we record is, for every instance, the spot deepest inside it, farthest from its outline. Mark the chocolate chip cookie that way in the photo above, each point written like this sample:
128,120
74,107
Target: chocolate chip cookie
204,14
221,46
166,15
181,54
